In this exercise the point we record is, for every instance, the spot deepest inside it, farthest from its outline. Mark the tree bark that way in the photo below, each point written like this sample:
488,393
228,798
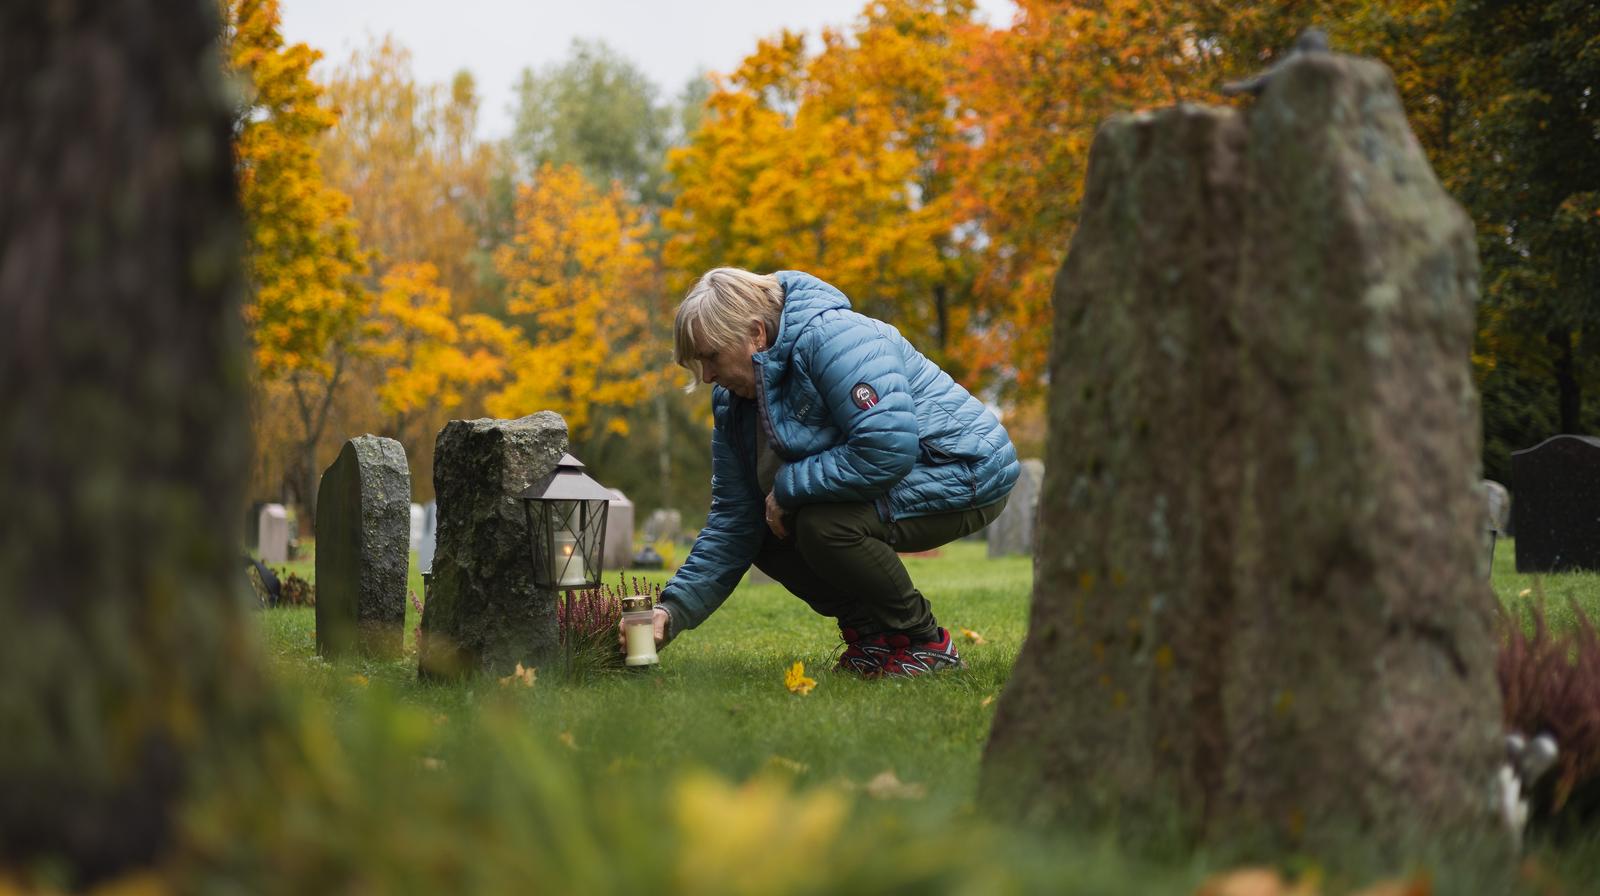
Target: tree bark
1569,394
122,436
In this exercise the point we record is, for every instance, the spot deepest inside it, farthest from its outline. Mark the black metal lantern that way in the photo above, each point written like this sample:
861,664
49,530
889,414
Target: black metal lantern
566,515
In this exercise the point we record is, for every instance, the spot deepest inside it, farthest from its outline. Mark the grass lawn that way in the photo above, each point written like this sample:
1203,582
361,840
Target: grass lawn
716,710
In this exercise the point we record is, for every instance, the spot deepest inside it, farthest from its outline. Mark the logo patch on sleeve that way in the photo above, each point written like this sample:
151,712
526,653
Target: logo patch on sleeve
864,396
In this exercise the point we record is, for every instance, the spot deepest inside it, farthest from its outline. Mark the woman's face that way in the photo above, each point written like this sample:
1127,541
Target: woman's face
731,367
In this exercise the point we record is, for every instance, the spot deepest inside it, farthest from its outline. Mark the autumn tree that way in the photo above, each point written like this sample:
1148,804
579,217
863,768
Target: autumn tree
303,262
579,280
408,157
125,654
431,358
839,163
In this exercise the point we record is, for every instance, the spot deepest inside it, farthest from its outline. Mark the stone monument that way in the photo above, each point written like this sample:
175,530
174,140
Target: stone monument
1012,532
1557,511
618,552
483,611
272,529
363,513
1257,602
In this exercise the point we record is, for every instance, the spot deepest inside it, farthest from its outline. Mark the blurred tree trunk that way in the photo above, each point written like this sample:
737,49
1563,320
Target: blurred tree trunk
122,436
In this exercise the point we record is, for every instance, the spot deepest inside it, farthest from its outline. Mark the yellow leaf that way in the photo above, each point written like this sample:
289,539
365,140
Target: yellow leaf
973,636
796,681
888,786
568,740
986,701
523,676
358,680
1525,592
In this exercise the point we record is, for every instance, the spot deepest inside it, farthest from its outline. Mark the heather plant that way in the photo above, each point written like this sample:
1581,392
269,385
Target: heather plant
1550,683
298,592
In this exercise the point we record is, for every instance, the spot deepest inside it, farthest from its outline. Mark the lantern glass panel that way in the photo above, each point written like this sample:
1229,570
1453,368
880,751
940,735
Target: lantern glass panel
568,537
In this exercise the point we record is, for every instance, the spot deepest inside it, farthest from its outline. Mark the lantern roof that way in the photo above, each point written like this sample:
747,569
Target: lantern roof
567,482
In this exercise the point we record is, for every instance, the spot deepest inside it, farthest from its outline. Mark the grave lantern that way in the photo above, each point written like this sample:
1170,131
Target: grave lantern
566,515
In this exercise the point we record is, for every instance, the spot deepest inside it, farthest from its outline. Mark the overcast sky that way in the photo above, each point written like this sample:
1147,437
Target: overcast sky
495,39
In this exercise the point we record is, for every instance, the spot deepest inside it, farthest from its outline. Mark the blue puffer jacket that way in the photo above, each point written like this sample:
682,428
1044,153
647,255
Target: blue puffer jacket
857,414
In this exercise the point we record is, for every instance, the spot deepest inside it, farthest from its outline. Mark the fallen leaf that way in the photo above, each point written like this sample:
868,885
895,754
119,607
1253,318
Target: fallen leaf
786,766
1417,886
358,680
986,701
1525,592
1244,882
796,681
525,676
566,738
888,786
973,636
432,764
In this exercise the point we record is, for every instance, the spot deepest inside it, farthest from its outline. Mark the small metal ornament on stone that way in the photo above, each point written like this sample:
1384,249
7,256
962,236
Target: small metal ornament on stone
566,515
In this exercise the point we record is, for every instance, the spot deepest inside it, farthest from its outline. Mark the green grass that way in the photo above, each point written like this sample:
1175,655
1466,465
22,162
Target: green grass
619,763
1520,593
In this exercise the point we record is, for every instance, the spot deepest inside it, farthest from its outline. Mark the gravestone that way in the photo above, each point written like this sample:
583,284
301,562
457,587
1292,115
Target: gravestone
1557,512
418,519
1497,507
663,524
252,524
483,611
619,533
1257,600
1012,532
273,526
429,540
363,516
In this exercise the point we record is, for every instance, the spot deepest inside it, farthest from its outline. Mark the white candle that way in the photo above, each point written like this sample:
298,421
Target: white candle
568,561
641,636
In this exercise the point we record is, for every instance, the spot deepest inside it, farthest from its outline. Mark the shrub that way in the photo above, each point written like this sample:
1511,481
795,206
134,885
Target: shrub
1550,682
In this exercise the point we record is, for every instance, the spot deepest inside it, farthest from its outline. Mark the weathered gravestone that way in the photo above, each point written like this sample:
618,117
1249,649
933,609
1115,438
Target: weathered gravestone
1497,507
429,540
1557,511
418,518
273,531
1257,604
663,524
618,552
1012,532
363,518
483,611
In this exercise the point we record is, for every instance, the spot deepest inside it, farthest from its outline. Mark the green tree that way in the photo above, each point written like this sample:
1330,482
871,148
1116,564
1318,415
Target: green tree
598,112
1534,189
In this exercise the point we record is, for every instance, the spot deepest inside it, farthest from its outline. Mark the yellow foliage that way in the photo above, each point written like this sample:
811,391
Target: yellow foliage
579,283
303,263
757,838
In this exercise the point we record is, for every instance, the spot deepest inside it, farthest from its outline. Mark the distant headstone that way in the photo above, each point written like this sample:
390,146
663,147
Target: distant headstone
430,536
483,611
619,533
252,524
1557,512
648,558
273,526
362,561
663,524
1497,507
418,520
1012,531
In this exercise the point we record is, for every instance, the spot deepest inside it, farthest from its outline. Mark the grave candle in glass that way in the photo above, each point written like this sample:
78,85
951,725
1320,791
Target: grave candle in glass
572,567
638,624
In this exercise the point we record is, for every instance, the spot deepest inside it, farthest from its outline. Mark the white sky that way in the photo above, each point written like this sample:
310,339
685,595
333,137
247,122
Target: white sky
670,40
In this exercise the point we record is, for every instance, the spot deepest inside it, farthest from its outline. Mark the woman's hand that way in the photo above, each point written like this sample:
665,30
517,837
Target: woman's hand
661,621
775,517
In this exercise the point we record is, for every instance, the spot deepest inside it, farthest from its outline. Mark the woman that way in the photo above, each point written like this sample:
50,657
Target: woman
836,445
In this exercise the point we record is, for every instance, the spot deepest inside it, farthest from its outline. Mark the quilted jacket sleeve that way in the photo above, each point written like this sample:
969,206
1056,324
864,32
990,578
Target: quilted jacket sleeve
727,545
878,426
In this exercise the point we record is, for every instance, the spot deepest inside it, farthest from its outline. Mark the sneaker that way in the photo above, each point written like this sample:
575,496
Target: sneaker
863,654
907,659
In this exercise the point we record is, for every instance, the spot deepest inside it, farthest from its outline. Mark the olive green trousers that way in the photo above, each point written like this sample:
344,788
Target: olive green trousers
844,562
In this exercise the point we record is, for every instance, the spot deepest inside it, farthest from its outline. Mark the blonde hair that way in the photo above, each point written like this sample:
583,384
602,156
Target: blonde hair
718,310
